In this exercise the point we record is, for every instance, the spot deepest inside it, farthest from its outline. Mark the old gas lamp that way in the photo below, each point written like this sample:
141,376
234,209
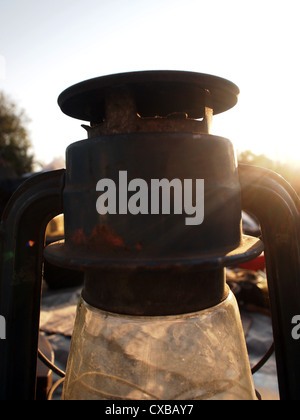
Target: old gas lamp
152,206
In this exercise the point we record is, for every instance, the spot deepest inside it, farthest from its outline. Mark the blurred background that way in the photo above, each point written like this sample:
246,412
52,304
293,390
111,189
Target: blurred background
46,46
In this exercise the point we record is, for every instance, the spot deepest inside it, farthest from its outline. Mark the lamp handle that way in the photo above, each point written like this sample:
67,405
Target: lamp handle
22,238
276,205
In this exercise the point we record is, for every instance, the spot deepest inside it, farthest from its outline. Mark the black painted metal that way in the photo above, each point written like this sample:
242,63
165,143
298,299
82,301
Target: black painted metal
276,205
23,226
151,239
154,92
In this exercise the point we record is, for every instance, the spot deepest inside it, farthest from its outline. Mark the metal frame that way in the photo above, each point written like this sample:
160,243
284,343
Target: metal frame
276,205
22,242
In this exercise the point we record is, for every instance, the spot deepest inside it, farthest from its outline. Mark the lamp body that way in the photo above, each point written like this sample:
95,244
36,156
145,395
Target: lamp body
195,356
156,319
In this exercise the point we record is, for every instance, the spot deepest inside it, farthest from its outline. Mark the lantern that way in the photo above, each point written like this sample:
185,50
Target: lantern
152,207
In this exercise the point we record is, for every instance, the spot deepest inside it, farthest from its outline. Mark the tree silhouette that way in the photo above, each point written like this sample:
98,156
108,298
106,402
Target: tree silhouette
14,139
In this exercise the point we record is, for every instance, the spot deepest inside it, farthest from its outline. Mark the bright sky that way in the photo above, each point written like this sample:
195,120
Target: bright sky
48,45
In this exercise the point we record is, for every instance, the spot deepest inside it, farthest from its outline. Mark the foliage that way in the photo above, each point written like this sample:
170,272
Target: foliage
14,139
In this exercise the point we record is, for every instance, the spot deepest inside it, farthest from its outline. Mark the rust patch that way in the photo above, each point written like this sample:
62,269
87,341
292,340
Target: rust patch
78,237
103,239
104,235
139,246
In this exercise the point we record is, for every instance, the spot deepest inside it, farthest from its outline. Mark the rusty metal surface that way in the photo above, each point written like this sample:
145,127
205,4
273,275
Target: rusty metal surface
83,258
139,239
122,116
146,292
175,123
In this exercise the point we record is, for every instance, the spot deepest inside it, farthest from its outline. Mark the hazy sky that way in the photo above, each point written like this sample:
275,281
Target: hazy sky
48,45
